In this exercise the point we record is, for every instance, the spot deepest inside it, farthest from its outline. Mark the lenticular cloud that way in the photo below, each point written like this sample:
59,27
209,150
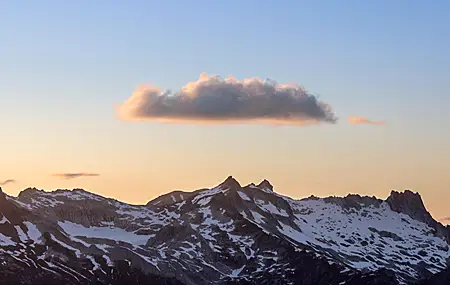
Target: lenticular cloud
74,175
8,181
364,121
212,99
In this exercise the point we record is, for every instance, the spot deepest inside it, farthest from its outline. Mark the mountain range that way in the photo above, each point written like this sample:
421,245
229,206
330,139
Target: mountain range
228,234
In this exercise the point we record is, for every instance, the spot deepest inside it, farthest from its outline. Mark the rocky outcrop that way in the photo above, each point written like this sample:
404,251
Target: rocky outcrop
230,183
265,184
354,201
411,204
15,273
171,198
441,278
9,209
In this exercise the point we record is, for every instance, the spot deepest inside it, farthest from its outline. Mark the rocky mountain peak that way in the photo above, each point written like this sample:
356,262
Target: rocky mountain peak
230,182
28,192
409,203
354,201
80,190
406,200
406,195
2,194
265,184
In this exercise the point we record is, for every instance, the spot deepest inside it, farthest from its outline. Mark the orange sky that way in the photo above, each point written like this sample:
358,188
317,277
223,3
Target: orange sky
68,66
324,160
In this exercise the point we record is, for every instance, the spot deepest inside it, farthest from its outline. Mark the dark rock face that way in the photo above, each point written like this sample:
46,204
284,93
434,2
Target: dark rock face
120,274
230,183
441,278
411,204
312,271
2,195
28,192
309,272
11,210
265,184
354,201
171,198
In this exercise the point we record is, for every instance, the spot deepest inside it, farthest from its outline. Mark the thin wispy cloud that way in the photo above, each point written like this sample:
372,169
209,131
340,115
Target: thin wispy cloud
364,121
8,181
212,99
445,220
74,175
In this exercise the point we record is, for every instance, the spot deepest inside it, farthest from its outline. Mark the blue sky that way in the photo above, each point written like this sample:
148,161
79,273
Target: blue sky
64,64
359,55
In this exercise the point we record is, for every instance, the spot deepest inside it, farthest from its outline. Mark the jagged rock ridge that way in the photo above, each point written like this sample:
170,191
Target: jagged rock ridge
229,234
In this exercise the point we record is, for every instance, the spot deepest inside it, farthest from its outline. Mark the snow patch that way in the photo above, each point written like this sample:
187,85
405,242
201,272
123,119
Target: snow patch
22,236
63,244
33,232
268,207
236,272
4,220
6,241
244,196
111,233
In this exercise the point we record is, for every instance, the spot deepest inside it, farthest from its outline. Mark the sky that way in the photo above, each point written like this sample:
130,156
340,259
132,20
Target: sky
87,88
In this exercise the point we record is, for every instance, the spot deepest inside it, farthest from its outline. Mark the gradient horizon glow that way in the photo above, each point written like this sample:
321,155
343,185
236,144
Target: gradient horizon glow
383,66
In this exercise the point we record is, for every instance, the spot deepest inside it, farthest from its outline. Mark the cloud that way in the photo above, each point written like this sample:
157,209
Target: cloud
74,175
212,99
364,121
8,181
446,220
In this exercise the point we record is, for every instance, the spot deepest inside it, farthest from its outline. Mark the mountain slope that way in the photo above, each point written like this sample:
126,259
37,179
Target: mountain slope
228,234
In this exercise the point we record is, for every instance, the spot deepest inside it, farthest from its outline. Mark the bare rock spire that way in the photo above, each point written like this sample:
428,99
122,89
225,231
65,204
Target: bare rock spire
230,182
265,184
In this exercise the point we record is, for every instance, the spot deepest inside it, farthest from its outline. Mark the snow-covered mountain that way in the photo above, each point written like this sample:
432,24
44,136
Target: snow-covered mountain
228,234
